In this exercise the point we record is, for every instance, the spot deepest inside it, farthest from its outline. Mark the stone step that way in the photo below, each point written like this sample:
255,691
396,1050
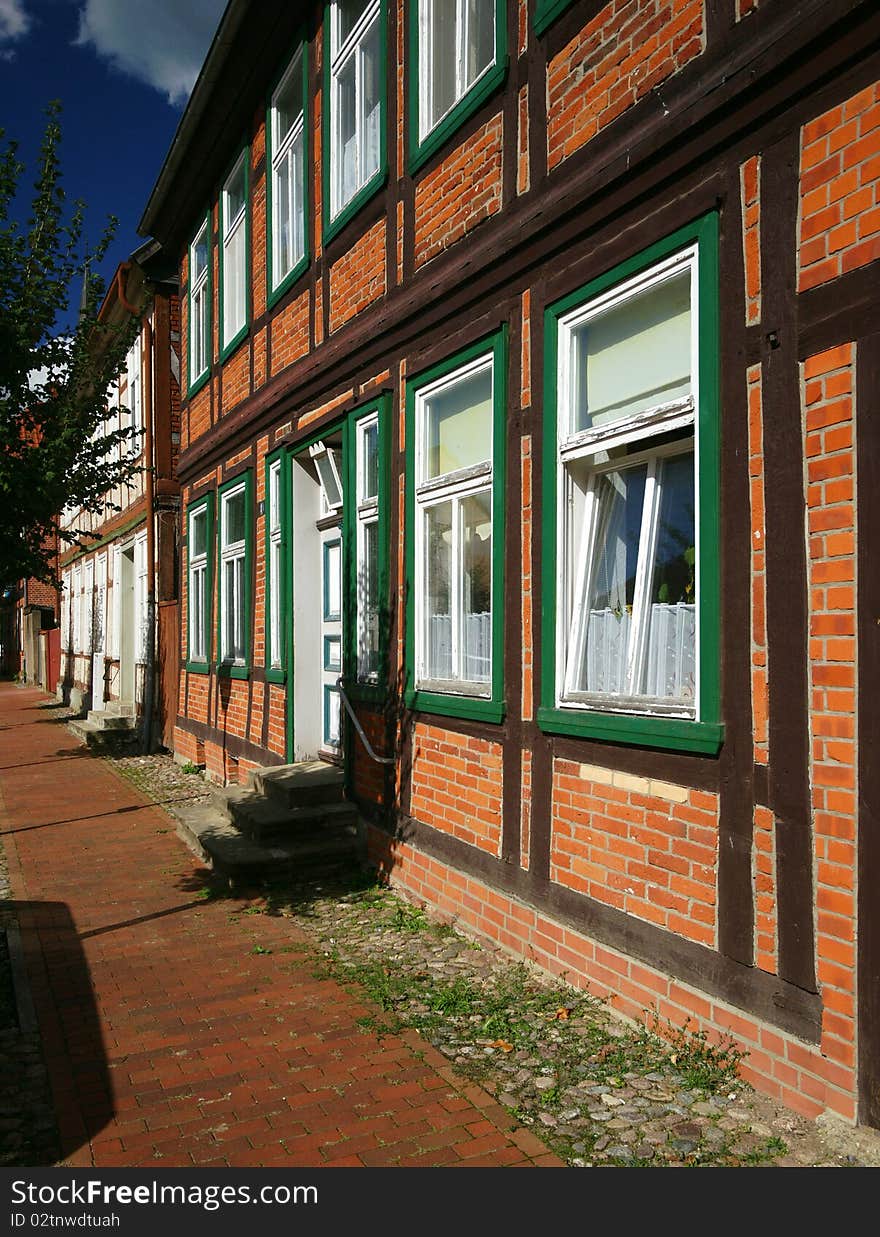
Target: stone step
112,721
120,708
99,738
305,784
266,820
230,852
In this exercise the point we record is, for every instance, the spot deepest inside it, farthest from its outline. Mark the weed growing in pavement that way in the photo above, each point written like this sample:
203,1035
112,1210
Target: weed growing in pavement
701,1063
189,767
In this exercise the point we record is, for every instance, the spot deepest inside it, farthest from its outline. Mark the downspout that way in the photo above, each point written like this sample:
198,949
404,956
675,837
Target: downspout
149,499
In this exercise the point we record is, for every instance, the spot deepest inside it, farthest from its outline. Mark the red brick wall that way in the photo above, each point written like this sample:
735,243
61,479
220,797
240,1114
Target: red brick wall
358,277
828,385
785,1068
840,189
760,692
623,53
369,777
277,719
459,194
647,847
237,377
457,785
290,333
750,189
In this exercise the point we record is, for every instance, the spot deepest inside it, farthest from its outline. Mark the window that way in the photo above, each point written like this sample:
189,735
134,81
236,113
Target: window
233,256
76,604
276,586
234,576
133,398
634,483
356,66
65,612
199,306
287,184
141,598
199,539
367,546
460,53
454,610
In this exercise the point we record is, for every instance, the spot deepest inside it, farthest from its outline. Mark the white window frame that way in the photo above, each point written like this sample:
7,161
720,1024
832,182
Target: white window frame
284,152
234,245
275,565
65,611
198,572
454,487
366,517
426,58
341,54
232,552
199,308
140,597
591,448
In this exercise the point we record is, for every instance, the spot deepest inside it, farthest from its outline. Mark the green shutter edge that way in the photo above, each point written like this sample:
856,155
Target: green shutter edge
273,295
227,349
193,388
206,501
332,227
421,152
546,12
707,733
224,669
275,674
480,708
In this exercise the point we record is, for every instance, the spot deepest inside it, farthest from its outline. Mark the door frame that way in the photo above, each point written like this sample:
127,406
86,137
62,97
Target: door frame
377,691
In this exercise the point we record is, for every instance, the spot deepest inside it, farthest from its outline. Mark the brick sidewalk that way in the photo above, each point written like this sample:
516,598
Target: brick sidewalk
169,1041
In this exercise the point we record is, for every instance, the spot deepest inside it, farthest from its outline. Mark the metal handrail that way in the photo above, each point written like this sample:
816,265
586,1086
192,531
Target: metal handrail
380,760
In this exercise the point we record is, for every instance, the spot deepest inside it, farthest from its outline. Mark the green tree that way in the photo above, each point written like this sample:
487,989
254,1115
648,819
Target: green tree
56,450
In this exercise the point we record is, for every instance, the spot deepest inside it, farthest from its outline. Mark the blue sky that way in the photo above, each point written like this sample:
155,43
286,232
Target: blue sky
123,70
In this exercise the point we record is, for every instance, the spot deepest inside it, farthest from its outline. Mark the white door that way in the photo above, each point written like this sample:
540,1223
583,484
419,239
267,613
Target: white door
331,634
99,632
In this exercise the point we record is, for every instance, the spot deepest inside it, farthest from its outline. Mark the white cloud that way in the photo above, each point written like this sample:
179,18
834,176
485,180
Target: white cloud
14,24
162,43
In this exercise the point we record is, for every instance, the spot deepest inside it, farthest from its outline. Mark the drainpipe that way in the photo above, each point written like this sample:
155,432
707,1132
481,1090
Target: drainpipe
147,389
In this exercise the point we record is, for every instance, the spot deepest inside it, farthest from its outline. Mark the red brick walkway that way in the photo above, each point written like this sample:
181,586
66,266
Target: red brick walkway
168,1040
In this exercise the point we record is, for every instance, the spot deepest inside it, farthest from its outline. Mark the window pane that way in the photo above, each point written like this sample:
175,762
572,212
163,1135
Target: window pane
370,464
200,255
233,518
476,517
347,144
370,60
633,356
459,425
327,475
198,533
619,498
289,100
480,50
438,548
368,601
349,12
234,283
274,508
443,51
275,603
670,665
234,194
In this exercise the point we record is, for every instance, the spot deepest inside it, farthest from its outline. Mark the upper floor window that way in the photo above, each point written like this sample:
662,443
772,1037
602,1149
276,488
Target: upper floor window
199,305
233,254
355,89
287,181
460,61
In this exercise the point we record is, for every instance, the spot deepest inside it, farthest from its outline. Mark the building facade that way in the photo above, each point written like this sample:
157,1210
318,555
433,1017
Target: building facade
119,583
529,352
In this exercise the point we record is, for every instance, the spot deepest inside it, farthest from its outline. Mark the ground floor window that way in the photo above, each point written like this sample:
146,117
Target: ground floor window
200,518
234,557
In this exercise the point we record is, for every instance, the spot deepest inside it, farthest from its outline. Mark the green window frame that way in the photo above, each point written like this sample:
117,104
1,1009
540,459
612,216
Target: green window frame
366,514
546,12
608,453
278,584
235,239
345,55
234,627
429,491
287,167
201,582
426,137
199,307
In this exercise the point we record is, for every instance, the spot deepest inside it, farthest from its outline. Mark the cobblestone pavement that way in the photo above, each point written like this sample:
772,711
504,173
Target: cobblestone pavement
536,1058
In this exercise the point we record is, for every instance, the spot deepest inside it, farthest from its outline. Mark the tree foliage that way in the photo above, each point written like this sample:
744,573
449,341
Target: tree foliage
57,449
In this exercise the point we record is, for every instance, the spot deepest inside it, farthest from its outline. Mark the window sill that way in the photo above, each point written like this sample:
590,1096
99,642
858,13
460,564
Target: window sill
274,295
226,671
197,667
464,108
674,733
274,675
467,707
332,227
198,384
